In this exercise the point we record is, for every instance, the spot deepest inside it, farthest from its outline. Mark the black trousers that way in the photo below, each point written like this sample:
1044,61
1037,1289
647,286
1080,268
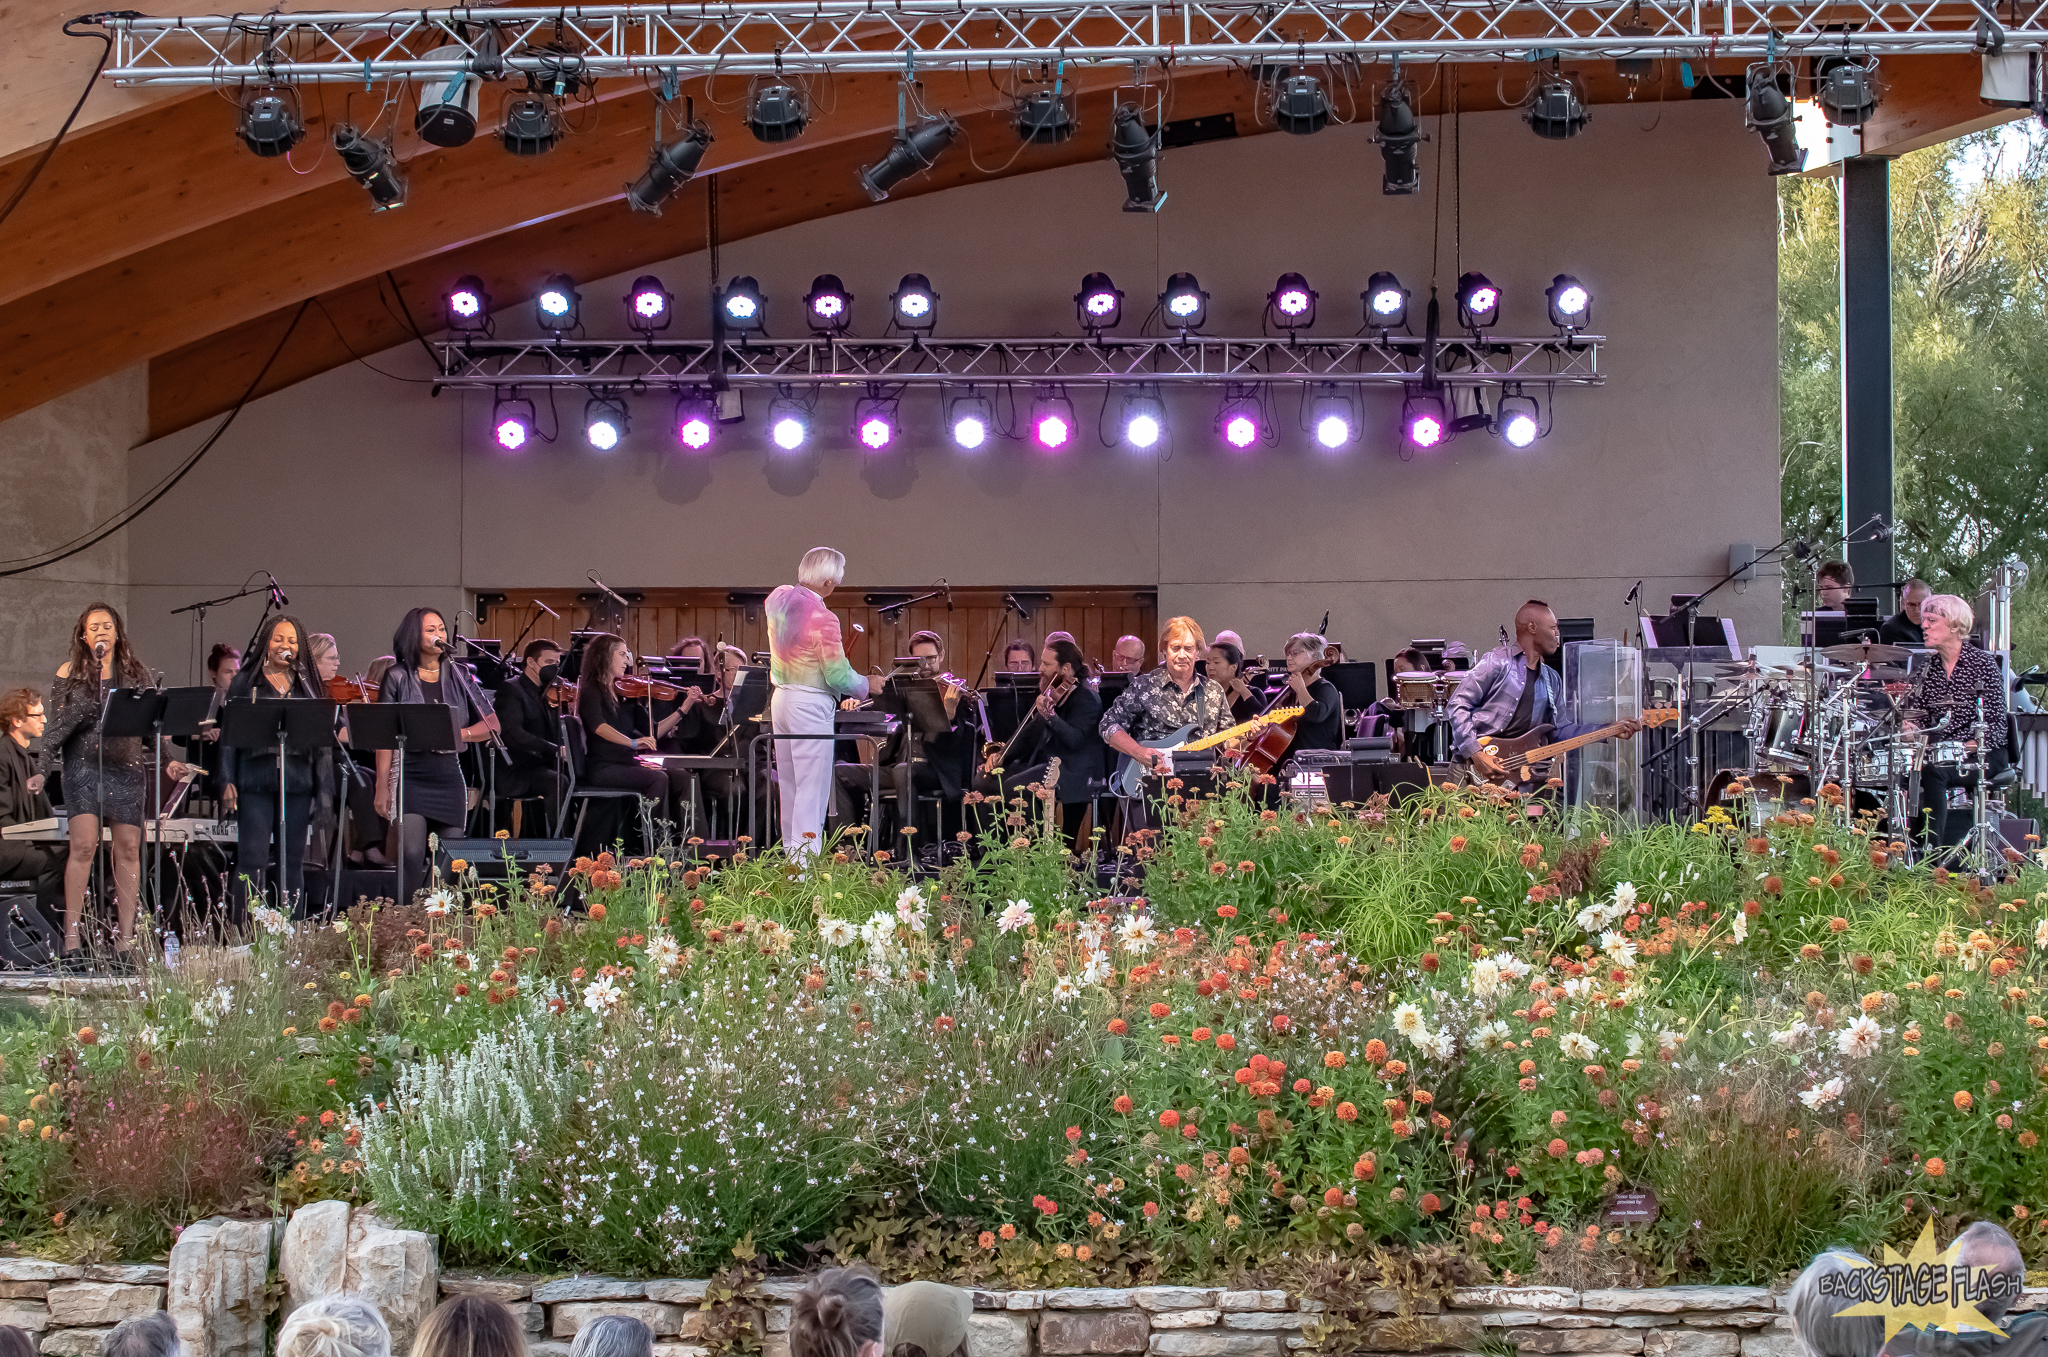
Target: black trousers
1937,828
41,865
255,853
533,781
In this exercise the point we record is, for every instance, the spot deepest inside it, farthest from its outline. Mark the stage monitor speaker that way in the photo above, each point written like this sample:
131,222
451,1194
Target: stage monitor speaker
1357,782
487,856
27,939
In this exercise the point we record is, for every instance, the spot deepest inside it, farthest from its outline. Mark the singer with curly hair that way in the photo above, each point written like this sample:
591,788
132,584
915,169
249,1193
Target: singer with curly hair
280,667
436,798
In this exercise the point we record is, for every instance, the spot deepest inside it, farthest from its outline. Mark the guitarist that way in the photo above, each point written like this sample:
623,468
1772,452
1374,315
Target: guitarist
1510,692
1159,702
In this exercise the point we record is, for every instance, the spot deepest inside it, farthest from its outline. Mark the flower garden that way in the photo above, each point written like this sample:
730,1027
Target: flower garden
1434,1041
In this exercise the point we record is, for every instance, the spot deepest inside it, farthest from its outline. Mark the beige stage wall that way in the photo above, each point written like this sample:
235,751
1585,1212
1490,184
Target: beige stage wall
365,495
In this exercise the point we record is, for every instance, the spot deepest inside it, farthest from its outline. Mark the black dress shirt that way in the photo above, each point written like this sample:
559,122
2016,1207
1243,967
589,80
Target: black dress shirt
1901,630
19,805
1072,737
528,723
1321,723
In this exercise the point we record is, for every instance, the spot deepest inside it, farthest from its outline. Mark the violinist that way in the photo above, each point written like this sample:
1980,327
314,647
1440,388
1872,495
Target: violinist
1062,724
532,730
941,762
356,789
698,730
616,731
1225,664
436,800
278,669
1321,723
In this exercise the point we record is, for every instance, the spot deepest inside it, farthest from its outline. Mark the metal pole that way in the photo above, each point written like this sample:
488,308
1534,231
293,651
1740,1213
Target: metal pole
1867,363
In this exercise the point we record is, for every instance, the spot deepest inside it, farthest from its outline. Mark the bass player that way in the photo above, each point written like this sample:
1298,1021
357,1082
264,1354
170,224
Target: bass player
1510,692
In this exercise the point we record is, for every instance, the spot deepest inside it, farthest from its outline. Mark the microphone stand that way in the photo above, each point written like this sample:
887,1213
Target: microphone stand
490,770
201,607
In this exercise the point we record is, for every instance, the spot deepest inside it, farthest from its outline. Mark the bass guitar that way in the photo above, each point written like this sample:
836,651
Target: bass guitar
1526,758
1129,778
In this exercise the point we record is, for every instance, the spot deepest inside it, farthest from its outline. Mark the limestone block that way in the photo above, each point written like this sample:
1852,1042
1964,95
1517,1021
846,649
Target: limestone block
543,1347
782,1288
1309,1306
1422,1333
218,1271
30,1315
677,1291
532,1315
1732,1319
775,1345
1776,1341
74,1342
312,1258
135,1274
1065,1334
589,1288
1544,1319
2032,1298
38,1270
399,1271
1214,1343
989,1335
570,1316
507,1288
1176,1297
78,1304
1254,1300
24,1290
778,1319
1087,1298
1577,1340
1671,1300
680,1350
1684,1342
1265,1320
1186,1319
1514,1298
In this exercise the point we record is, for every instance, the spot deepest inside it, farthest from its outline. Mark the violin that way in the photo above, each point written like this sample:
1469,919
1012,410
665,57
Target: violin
345,691
634,687
561,693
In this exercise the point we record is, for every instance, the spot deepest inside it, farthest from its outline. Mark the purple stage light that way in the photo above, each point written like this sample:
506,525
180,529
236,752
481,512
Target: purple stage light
1240,430
511,433
876,432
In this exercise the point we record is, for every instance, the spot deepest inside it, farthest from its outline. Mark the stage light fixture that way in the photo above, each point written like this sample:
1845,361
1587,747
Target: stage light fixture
828,305
467,306
371,164
446,113
1424,421
970,417
1045,117
742,305
558,305
696,421
1299,105
1238,421
512,423
1136,151
1571,305
1847,90
1398,133
604,422
649,306
1052,420
1556,110
270,123
1769,113
874,422
789,421
668,169
1099,304
1292,302
1517,419
777,112
1185,304
916,149
915,305
532,126
1144,419
1478,302
1386,303
1333,419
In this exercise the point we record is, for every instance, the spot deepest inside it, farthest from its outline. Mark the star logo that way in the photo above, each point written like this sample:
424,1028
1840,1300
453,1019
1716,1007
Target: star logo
1926,1289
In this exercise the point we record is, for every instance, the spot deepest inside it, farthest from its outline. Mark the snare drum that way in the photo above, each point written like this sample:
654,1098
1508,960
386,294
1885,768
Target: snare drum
1785,744
1949,752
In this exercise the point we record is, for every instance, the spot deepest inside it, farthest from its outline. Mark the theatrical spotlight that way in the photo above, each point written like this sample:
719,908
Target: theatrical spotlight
371,164
1144,419
1517,420
512,423
1571,306
1185,304
1099,304
1238,421
696,421
1052,420
1397,136
649,306
468,306
742,305
1769,113
789,421
1045,118
1299,105
1386,303
1333,419
970,418
914,306
1478,302
1136,152
777,112
531,126
874,422
828,306
1292,302
1424,422
668,169
1846,90
270,124
915,149
1556,110
558,305
604,422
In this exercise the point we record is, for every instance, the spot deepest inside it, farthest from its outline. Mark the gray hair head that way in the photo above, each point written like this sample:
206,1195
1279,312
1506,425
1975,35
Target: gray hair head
151,1335
337,1325
613,1336
1821,1332
821,565
1986,1245
1950,609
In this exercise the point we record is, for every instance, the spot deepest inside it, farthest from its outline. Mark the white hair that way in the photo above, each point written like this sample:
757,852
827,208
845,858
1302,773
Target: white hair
821,565
1306,641
1821,1330
150,1335
613,1336
335,1325
1949,609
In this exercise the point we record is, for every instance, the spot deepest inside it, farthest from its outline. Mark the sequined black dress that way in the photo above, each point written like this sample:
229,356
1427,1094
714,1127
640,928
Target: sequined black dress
106,778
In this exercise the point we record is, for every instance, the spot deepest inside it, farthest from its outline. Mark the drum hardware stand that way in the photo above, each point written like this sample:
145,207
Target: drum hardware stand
1982,859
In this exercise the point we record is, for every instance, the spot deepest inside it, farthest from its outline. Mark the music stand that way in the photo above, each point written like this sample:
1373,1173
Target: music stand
1009,701
422,727
296,725
152,713
1356,681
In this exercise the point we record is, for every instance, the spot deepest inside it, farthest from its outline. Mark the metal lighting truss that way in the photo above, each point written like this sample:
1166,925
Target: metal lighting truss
1195,361
744,37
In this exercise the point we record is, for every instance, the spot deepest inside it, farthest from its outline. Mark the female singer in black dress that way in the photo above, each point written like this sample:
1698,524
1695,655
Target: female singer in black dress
615,732
436,798
105,780
281,667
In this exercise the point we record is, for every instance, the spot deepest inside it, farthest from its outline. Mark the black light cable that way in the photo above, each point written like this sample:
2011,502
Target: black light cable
21,190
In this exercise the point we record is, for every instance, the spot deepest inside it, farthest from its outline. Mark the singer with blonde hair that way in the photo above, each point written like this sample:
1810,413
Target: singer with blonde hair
336,1325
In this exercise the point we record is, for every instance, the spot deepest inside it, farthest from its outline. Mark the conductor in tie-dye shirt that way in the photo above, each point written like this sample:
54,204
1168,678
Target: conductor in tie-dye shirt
807,660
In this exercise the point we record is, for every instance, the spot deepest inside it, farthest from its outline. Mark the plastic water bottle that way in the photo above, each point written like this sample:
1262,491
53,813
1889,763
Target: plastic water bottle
170,951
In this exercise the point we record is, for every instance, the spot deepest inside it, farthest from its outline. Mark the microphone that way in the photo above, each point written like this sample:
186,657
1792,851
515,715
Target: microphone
1880,531
99,650
609,592
1634,599
277,593
546,609
1504,639
949,594
289,654
859,630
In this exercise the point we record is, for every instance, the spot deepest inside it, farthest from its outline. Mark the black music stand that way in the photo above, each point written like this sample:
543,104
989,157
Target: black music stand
1357,682
151,714
422,727
1009,702
296,725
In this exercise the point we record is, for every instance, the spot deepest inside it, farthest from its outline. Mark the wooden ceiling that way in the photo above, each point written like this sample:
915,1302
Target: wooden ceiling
154,236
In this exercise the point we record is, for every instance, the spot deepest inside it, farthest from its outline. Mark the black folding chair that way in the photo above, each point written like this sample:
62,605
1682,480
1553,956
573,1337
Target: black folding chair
581,796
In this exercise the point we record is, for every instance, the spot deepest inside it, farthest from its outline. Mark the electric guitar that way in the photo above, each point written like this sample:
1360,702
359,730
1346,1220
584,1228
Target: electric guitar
1527,758
1129,779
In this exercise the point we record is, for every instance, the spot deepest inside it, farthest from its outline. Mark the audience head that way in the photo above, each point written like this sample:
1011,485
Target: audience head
1986,1245
1834,580
337,1325
150,1335
610,1336
821,570
1128,656
925,1319
15,1343
470,1326
1815,1320
837,1314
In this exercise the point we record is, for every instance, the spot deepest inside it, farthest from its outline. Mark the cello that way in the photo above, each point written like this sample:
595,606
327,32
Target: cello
1268,745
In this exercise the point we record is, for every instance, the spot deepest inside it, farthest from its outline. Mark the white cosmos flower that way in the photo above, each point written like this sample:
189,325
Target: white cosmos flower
1408,1022
149,1036
910,908
1860,1038
1634,1045
440,902
1577,1046
880,929
1138,935
837,933
1014,916
2041,933
601,995
1579,986
1616,944
272,920
1094,934
1668,1040
663,954
1510,966
1792,1035
1483,978
1822,1094
1065,989
1595,917
1097,970
1491,1035
1625,895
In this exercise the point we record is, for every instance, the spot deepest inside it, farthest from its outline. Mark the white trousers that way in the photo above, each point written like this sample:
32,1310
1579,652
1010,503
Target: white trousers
803,768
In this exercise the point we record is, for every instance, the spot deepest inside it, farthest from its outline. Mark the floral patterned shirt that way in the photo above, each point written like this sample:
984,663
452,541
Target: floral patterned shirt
1153,707
1945,704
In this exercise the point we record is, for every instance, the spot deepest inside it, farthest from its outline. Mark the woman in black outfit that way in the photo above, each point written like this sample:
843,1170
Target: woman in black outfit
615,732
281,667
1321,723
104,780
1225,664
436,798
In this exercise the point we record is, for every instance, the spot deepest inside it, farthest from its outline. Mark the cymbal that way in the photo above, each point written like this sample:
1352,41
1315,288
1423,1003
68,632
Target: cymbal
1868,652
